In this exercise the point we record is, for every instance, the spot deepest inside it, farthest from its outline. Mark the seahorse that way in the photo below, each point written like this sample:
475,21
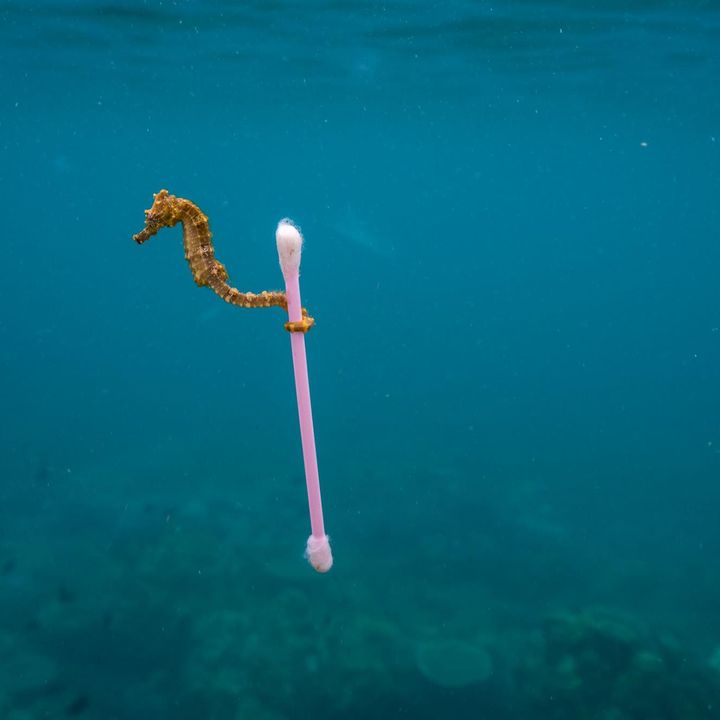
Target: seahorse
167,211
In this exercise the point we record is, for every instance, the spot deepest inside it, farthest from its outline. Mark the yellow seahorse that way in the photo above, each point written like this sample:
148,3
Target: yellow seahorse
167,211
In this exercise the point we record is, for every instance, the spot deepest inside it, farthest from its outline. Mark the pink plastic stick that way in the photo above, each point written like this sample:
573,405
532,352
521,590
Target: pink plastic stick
289,243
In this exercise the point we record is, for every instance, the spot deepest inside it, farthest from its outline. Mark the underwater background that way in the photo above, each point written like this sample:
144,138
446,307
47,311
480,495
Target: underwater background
511,213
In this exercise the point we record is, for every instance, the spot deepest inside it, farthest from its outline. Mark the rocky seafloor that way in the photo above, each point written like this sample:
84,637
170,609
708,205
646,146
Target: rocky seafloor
181,610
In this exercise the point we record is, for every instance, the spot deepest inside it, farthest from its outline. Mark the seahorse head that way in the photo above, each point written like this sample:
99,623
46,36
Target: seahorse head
164,210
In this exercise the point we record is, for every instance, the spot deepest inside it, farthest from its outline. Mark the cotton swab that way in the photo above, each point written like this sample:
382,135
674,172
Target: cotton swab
289,245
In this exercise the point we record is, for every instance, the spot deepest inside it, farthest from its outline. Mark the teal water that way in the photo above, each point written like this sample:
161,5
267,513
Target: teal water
511,219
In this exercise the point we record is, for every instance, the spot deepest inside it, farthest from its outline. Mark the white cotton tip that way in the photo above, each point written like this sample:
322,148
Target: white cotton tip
318,553
289,245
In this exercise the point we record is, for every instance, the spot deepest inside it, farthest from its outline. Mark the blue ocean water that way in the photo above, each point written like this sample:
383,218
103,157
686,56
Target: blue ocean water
511,219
